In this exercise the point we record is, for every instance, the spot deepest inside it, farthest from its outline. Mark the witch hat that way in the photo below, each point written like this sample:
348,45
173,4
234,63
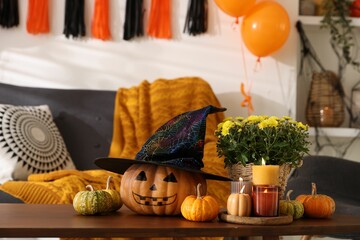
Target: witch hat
179,144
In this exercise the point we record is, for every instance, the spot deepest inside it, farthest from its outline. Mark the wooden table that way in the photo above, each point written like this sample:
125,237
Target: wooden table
32,220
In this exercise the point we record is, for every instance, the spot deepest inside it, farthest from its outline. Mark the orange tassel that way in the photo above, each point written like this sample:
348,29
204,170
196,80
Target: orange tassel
160,19
38,17
100,24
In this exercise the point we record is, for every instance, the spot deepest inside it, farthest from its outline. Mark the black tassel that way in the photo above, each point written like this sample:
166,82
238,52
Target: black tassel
74,24
133,26
196,17
9,13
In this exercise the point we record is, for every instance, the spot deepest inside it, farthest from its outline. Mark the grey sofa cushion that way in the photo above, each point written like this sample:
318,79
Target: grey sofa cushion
335,177
84,117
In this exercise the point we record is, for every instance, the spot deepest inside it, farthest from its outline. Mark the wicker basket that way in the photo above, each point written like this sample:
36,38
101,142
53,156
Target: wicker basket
236,171
325,105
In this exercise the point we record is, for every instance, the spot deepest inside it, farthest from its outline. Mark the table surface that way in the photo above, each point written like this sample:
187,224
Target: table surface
37,220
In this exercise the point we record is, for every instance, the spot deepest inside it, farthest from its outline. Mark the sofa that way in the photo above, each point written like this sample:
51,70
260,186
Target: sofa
84,118
335,177
96,123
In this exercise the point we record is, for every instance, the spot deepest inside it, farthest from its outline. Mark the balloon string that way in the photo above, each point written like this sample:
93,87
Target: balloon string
257,66
247,102
235,24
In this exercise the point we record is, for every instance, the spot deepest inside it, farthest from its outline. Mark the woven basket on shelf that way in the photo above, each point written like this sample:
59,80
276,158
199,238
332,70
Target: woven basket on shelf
236,171
325,106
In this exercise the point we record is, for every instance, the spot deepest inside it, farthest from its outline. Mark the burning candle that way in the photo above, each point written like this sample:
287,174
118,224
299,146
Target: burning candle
265,174
239,203
327,117
265,200
236,186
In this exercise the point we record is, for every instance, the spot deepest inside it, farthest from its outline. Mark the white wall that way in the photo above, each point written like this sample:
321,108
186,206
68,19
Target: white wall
51,60
218,56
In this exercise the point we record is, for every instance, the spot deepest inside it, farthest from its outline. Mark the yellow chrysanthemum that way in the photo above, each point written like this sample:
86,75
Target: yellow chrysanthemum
219,126
270,122
226,128
254,118
239,118
286,118
302,126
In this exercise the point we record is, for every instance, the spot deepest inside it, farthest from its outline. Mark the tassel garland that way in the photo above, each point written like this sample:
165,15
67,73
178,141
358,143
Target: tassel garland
159,22
100,24
9,13
74,24
38,17
160,19
133,26
196,17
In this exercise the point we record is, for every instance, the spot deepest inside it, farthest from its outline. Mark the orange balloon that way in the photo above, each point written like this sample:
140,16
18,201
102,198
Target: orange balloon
235,8
265,28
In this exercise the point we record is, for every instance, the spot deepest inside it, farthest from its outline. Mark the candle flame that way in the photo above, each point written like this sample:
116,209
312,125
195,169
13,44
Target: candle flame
242,189
265,191
263,161
240,179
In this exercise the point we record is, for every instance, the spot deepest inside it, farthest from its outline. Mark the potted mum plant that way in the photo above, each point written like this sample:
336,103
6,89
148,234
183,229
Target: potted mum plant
244,142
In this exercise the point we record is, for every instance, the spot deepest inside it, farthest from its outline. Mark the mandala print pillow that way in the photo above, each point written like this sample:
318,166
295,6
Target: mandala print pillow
30,142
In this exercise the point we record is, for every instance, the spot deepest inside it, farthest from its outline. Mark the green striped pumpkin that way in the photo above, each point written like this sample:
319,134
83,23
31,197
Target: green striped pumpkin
115,195
92,202
291,207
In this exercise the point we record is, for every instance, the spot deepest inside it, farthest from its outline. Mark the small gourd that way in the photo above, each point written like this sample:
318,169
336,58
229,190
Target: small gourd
115,195
92,202
239,204
290,207
317,205
199,208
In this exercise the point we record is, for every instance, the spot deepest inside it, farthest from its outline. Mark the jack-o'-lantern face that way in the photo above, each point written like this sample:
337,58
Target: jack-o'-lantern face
151,189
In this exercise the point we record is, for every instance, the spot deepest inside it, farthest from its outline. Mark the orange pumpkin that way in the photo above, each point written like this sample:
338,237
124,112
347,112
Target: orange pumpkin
317,205
199,208
158,190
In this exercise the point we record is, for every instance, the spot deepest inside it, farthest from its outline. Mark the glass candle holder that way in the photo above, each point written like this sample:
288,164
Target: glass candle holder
237,185
265,200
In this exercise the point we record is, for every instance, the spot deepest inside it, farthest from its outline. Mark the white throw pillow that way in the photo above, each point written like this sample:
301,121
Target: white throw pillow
30,142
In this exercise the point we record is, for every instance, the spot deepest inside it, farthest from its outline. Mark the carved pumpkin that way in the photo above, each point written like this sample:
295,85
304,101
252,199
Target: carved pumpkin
317,205
150,189
199,208
92,202
115,195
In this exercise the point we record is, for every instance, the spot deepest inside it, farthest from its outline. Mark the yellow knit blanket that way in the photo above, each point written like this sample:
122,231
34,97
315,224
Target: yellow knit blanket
138,112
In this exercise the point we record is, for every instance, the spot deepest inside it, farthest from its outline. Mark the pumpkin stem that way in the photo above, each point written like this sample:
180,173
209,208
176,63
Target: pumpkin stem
288,195
108,183
198,191
313,189
89,187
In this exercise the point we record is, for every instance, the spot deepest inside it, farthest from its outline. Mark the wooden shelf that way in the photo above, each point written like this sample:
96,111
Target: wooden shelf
336,132
316,21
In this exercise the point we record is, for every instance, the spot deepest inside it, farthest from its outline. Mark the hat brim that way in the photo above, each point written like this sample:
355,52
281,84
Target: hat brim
120,165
